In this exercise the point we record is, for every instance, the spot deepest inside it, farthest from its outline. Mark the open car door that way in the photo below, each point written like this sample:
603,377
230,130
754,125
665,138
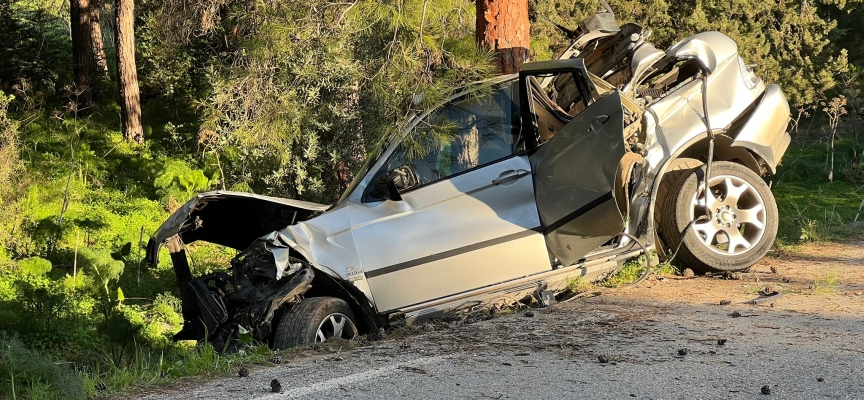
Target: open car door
578,143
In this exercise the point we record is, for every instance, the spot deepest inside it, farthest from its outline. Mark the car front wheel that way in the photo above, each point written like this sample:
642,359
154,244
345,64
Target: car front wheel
316,319
735,225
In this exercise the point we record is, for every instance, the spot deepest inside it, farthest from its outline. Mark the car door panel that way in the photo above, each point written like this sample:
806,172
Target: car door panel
574,174
451,236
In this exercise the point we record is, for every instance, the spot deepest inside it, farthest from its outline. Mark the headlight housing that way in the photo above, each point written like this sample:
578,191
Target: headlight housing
750,79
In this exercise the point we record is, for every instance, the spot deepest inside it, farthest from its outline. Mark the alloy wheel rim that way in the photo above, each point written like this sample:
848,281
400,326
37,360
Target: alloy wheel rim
336,325
737,215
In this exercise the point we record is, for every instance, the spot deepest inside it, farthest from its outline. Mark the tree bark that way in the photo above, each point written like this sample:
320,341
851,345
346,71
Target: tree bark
96,41
127,76
79,19
503,26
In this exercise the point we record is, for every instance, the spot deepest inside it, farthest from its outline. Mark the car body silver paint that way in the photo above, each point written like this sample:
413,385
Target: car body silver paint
711,49
355,241
451,236
327,242
642,61
765,131
675,122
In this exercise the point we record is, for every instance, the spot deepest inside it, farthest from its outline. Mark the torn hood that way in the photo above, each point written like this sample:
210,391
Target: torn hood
232,219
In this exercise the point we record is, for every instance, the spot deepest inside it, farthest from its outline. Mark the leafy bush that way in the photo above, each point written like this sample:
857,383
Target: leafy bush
22,369
34,55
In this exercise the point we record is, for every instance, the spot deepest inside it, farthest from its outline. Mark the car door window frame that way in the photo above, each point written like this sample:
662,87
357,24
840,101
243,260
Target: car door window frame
517,147
575,66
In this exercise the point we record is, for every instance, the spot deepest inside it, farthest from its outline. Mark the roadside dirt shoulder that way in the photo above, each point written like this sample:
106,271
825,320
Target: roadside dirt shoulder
665,338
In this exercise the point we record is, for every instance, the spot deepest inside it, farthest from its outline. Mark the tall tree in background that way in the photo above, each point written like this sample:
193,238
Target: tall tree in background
96,41
503,26
127,76
79,17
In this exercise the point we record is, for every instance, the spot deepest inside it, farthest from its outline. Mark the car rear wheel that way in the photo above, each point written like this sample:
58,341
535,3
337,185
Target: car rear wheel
315,320
735,226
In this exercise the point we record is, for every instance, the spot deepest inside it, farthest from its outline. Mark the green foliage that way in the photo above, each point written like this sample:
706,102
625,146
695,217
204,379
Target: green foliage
181,182
102,267
311,88
577,285
34,55
810,207
634,269
288,98
789,40
25,373
825,282
34,266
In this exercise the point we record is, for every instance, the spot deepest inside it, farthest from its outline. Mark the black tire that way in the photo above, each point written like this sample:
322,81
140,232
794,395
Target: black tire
743,223
670,178
300,325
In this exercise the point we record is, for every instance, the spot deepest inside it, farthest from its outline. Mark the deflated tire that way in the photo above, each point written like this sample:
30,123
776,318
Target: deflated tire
316,319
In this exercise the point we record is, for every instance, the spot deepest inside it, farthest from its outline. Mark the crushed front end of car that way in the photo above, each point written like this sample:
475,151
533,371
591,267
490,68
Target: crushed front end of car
261,278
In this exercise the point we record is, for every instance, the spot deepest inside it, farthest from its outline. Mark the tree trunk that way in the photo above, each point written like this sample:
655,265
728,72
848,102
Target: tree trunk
502,25
96,41
127,76
79,20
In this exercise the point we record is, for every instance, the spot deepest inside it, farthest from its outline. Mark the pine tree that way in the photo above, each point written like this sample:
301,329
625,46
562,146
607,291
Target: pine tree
127,76
502,25
79,13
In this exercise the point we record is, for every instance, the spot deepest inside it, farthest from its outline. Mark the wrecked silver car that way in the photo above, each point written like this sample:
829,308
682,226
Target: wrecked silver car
566,169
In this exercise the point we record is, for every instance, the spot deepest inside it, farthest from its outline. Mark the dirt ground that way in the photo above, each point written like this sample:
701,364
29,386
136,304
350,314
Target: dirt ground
669,337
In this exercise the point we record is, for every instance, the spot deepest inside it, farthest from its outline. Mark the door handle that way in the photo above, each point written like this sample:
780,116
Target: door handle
510,175
597,122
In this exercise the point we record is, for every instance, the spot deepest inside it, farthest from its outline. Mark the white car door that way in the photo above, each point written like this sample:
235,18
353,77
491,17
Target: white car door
469,221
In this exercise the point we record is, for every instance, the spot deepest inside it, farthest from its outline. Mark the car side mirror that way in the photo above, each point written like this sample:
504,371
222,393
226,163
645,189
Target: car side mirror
385,188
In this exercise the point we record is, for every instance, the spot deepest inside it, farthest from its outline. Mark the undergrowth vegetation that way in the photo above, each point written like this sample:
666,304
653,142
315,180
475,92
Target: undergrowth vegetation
287,99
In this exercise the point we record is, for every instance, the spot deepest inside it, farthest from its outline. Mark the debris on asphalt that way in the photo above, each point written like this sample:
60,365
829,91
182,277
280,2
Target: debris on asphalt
529,313
765,296
766,389
682,352
380,334
243,372
820,379
603,359
733,276
721,342
275,386
735,314
413,369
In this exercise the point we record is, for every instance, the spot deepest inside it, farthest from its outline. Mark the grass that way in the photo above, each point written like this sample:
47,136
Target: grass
825,283
811,208
577,285
633,269
151,369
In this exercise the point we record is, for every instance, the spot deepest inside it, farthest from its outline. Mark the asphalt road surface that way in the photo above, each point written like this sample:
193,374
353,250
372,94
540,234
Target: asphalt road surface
660,340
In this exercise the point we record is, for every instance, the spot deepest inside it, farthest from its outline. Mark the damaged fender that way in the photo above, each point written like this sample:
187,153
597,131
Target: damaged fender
765,132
